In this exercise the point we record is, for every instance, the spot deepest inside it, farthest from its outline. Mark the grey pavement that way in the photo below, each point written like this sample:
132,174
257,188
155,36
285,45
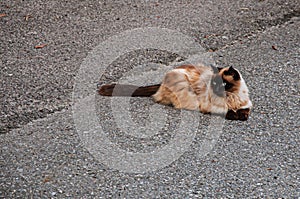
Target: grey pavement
42,154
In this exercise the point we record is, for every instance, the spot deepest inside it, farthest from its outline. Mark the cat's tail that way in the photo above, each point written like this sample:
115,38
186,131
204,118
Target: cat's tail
128,90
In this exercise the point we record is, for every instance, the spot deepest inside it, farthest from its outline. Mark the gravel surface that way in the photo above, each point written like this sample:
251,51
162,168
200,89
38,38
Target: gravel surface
44,156
36,82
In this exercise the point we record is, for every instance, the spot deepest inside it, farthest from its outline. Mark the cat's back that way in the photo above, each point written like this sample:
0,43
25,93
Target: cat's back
198,76
194,73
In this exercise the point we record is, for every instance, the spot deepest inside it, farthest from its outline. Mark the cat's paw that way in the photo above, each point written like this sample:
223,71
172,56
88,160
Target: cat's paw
241,114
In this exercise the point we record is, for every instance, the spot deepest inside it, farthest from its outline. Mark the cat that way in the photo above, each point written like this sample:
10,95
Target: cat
213,90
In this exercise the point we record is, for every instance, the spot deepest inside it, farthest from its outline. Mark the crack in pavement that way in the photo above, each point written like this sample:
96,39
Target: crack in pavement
261,26
264,24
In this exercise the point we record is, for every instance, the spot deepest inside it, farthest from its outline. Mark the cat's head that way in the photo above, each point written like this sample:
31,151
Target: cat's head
225,79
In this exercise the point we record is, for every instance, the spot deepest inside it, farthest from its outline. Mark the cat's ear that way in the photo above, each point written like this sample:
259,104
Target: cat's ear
231,69
219,68
233,72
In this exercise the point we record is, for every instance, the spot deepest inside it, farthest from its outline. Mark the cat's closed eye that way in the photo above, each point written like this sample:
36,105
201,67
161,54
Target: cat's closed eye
228,86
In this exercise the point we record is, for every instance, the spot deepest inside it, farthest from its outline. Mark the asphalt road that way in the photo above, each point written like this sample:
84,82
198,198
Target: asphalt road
43,153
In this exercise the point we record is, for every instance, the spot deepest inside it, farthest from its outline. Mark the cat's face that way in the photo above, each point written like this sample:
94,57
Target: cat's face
225,79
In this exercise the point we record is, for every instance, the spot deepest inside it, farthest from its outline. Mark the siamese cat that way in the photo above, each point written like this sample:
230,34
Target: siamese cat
212,90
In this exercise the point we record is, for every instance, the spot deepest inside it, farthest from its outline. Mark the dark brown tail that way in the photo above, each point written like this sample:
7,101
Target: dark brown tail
127,90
